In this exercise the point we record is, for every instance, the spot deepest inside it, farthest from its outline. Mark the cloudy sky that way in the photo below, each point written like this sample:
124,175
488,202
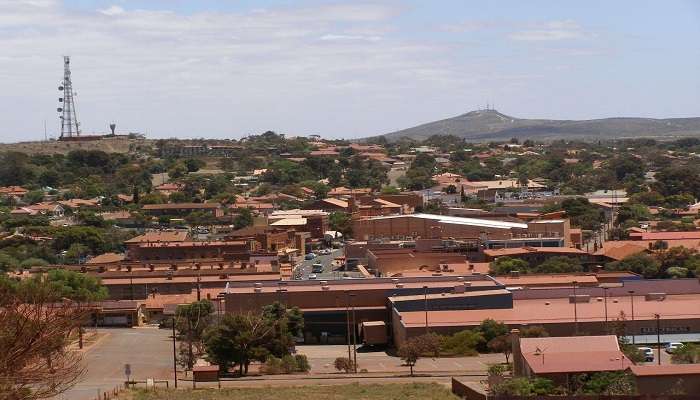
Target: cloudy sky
225,68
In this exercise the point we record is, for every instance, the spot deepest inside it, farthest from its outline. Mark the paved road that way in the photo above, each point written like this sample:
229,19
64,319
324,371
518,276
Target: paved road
148,350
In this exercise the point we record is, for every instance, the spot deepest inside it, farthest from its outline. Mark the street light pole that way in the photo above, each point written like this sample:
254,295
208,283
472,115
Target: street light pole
347,316
425,298
575,310
174,355
631,293
354,335
658,337
605,301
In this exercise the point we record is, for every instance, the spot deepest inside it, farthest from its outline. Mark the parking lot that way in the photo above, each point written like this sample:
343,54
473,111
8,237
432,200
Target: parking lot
330,268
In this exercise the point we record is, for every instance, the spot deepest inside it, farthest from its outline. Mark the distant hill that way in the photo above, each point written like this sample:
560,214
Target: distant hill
485,125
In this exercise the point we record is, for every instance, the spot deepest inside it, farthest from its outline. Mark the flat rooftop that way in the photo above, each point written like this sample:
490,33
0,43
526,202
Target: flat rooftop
359,284
433,296
549,311
446,219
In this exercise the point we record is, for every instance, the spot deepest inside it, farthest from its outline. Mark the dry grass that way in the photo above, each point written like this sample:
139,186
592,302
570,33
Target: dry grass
411,391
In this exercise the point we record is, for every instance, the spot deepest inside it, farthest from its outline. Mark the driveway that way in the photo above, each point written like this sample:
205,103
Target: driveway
148,350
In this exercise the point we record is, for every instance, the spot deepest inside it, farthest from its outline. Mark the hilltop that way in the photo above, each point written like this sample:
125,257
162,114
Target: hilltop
485,125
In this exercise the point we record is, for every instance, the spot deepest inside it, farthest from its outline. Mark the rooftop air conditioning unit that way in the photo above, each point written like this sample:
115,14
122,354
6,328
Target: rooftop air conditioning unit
655,296
580,298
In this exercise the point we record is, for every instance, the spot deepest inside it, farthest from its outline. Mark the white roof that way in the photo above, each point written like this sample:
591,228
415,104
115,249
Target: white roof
445,219
289,222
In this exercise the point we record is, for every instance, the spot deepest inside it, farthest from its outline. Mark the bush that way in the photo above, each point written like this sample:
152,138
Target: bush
527,387
464,343
289,364
34,262
272,366
343,364
302,363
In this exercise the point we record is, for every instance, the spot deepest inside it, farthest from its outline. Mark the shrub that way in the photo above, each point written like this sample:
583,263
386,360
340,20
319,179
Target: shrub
289,364
343,364
302,363
272,366
463,343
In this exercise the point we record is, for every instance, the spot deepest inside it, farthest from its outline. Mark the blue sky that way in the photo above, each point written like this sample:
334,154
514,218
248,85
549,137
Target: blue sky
343,68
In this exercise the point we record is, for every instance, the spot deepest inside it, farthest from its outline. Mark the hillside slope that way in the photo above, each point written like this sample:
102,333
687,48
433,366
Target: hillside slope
484,125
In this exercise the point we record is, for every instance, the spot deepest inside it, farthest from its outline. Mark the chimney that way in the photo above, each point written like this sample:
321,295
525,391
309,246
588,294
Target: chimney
518,369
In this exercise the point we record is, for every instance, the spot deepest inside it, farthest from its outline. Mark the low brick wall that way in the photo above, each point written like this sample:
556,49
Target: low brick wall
468,390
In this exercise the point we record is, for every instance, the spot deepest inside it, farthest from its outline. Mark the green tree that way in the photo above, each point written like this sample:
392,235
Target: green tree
287,324
505,265
463,343
8,263
527,387
639,263
560,264
501,344
410,352
191,321
606,383
237,340
341,222
70,285
491,328
33,197
243,219
194,164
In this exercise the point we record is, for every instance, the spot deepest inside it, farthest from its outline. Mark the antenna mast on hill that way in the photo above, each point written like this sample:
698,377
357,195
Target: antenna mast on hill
69,120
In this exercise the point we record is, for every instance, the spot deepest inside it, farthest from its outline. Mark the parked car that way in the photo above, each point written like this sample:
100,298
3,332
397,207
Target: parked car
648,353
310,256
325,251
673,346
317,268
312,276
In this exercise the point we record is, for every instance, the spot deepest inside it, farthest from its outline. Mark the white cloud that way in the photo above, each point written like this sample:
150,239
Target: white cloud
551,31
112,10
335,37
468,26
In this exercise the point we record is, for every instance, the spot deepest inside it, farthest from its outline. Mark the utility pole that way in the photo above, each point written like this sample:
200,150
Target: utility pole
605,301
575,310
354,336
631,293
174,355
347,316
658,338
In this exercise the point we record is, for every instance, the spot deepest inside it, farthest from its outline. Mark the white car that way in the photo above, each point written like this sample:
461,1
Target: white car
673,346
312,276
648,353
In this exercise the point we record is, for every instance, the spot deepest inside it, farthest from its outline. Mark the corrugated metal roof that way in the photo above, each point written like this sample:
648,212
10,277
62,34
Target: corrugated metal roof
446,219
289,222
